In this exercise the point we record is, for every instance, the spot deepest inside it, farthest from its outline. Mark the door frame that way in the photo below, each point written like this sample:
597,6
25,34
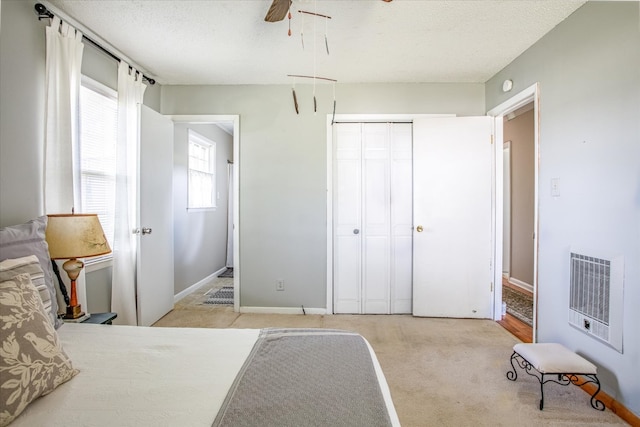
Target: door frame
213,119
506,204
351,118
530,94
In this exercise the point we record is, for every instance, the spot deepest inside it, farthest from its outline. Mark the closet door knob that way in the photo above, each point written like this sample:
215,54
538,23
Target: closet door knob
419,229
356,231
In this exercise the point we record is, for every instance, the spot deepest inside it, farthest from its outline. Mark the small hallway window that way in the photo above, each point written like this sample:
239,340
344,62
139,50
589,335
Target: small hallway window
202,172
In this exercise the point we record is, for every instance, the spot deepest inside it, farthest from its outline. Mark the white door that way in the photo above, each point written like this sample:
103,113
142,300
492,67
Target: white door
376,218
347,217
372,218
155,291
401,217
452,241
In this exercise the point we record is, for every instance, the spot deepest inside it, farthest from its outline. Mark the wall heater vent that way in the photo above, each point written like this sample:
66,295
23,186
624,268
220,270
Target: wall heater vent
595,302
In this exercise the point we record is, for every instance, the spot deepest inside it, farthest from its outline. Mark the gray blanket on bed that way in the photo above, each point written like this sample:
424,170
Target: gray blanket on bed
306,377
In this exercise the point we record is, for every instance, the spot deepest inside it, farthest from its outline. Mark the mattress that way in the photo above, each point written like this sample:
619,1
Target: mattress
143,376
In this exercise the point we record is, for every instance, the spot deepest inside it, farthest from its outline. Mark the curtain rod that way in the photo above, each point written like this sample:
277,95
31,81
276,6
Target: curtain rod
43,13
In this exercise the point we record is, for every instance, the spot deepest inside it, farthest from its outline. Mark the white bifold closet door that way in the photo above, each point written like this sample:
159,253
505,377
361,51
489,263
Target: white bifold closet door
372,239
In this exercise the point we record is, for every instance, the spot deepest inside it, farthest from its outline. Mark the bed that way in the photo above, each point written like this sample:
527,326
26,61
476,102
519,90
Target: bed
105,375
140,376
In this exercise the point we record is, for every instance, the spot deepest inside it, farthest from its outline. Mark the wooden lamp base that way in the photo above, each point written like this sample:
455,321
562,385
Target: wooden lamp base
74,312
73,267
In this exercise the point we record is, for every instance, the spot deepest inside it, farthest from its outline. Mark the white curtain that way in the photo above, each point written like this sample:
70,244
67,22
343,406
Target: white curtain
125,245
62,86
230,216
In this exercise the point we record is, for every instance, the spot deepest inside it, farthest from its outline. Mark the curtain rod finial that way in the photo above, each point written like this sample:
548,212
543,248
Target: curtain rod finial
42,11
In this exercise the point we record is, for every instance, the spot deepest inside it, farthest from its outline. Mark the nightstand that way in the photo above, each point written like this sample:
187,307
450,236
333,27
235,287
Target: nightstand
101,318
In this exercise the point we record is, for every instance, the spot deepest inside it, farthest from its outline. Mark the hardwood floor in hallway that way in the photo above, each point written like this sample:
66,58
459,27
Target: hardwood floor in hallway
518,328
521,330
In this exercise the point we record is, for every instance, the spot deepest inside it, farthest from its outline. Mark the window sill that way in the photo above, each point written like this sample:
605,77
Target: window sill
98,265
195,210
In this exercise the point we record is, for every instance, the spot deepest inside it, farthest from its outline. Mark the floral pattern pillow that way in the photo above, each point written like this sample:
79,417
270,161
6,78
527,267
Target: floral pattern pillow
32,361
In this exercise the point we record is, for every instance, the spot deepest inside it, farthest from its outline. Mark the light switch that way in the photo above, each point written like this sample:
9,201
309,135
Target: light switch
555,187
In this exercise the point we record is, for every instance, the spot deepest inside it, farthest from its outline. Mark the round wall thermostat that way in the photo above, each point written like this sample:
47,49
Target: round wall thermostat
507,85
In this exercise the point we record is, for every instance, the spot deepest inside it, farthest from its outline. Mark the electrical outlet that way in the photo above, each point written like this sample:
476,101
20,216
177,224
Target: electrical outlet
279,285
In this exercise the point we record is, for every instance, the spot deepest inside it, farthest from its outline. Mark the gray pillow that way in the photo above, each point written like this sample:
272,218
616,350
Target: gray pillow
32,360
28,239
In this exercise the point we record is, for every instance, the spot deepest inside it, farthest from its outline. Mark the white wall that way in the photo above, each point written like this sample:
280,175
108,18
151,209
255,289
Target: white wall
589,73
200,236
282,169
21,113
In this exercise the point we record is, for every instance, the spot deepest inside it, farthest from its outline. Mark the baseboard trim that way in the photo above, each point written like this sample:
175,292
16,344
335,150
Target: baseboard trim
283,310
177,297
613,405
519,283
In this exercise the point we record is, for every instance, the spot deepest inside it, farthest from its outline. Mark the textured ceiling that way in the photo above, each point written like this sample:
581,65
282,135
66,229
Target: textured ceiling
228,41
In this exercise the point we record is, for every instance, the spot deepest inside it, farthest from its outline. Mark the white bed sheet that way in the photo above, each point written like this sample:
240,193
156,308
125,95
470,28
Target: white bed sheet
161,376
143,376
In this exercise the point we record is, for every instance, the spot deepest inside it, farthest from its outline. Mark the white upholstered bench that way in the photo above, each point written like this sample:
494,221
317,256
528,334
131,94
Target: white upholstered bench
561,365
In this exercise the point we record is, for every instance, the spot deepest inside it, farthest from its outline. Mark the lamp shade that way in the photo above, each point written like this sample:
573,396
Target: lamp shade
75,236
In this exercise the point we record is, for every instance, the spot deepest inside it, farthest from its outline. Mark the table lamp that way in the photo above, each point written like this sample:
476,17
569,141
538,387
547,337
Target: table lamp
72,236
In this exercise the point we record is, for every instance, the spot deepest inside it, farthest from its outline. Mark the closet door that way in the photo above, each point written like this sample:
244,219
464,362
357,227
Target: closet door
452,245
372,218
401,280
376,218
347,214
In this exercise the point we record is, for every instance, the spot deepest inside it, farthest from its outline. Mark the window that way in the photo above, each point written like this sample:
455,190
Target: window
98,110
202,172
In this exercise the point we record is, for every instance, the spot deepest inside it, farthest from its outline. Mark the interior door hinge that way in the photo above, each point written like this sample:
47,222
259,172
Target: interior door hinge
491,139
491,286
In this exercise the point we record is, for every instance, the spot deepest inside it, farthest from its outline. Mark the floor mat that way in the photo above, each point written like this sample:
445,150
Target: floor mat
519,304
223,296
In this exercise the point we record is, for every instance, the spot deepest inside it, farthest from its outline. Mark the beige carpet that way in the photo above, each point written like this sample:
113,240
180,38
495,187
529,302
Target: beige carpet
441,372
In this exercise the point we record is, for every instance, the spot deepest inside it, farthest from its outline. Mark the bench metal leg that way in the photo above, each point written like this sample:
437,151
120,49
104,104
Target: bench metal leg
588,379
513,375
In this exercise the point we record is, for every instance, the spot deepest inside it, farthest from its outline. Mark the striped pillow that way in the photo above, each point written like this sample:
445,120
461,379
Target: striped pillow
10,268
29,239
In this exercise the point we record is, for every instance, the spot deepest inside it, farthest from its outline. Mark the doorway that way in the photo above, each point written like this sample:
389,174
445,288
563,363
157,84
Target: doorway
518,203
231,125
516,125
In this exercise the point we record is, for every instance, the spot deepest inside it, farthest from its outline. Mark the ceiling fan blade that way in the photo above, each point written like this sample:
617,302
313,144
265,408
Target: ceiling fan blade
278,10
